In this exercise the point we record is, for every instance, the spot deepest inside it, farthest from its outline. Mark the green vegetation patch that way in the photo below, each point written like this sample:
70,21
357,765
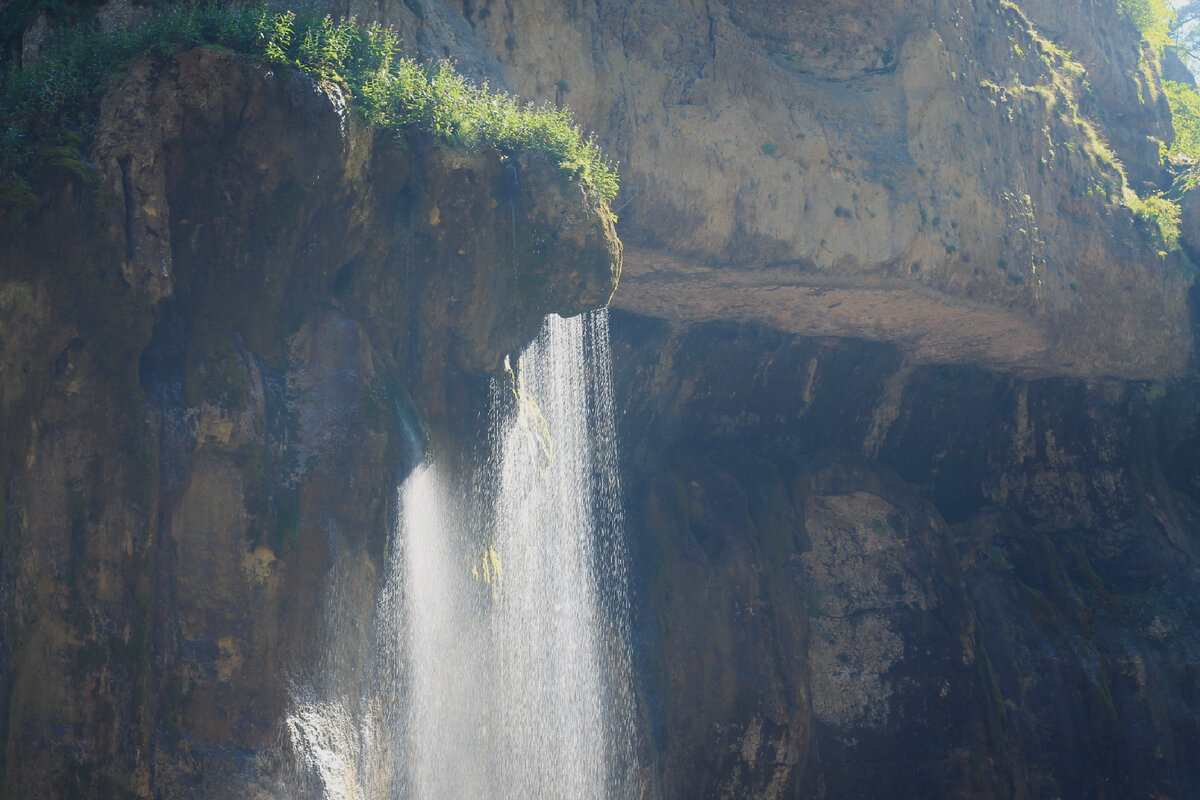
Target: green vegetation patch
49,106
1185,116
1160,213
1184,152
1152,19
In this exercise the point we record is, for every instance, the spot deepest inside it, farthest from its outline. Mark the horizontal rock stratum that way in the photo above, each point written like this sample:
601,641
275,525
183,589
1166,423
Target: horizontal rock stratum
944,176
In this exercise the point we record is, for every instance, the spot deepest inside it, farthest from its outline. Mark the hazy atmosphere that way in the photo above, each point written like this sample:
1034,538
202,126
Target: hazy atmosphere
598,400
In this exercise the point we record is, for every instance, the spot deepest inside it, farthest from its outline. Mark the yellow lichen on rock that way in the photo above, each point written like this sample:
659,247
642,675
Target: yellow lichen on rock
258,565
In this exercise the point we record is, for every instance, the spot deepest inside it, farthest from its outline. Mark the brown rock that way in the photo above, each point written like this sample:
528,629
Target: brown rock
932,164
215,369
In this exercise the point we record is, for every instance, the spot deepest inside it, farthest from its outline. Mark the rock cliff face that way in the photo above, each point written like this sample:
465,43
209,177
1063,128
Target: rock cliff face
214,364
906,516
953,552
930,173
863,578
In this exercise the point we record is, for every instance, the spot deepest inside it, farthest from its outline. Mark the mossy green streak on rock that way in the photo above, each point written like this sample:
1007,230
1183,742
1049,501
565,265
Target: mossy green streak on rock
54,99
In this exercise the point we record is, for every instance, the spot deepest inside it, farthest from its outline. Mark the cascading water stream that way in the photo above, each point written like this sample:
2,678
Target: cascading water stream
502,666
560,685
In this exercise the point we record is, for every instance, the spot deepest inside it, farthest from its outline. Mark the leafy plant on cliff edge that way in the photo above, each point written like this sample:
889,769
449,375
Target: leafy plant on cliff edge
1153,20
53,104
1185,117
1160,212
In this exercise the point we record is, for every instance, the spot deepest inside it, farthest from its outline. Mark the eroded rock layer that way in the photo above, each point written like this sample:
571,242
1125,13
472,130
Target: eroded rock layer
939,174
865,578
217,360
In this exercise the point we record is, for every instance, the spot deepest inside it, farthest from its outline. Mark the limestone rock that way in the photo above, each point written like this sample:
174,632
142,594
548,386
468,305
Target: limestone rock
926,581
919,173
215,367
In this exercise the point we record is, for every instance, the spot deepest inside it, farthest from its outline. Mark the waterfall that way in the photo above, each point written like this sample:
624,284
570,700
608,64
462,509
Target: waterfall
560,713
502,667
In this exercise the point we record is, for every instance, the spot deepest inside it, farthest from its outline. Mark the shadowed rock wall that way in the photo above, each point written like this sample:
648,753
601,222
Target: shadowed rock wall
217,359
864,578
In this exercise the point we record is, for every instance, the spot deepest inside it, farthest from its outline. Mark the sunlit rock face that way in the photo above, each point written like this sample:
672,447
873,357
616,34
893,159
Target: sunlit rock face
899,523
913,173
217,361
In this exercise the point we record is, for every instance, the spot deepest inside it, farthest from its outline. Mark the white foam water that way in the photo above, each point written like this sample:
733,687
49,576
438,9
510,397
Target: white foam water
502,667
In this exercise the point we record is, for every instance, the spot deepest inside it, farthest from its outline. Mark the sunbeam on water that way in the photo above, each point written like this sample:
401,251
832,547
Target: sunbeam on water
501,667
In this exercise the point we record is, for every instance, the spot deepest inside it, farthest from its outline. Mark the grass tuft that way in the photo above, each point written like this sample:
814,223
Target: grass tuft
50,108
1161,213
1152,19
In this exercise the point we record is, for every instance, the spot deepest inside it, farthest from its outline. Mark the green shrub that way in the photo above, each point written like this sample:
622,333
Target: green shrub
1185,115
1160,212
1152,18
54,102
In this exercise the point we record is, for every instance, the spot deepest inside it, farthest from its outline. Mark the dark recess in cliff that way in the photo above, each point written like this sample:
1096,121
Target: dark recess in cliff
887,580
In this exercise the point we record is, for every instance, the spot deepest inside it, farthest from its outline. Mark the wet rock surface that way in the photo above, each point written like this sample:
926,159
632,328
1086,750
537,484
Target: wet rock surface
918,581
217,361
908,424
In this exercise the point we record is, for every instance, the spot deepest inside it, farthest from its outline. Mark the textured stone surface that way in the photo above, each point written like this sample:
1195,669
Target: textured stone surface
215,365
928,581
922,162
889,565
